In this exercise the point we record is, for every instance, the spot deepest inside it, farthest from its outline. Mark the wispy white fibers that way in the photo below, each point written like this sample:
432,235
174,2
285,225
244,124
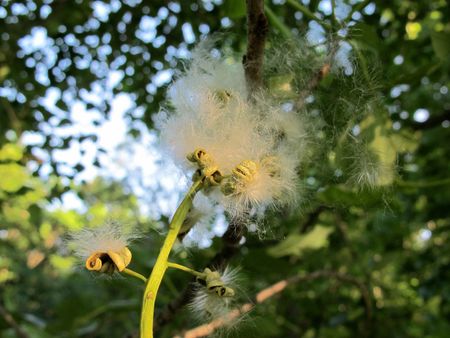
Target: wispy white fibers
207,305
109,243
255,144
366,170
200,215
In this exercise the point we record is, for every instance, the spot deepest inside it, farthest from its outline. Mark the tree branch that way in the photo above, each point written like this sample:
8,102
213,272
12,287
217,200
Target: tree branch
13,119
313,216
319,75
231,243
257,29
269,292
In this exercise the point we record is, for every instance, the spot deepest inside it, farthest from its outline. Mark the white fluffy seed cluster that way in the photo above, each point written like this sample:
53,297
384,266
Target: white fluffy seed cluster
206,305
257,145
108,237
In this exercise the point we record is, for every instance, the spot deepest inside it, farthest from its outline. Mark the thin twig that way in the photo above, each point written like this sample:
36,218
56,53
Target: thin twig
14,120
312,218
318,76
276,22
9,319
356,8
257,29
269,292
422,184
313,84
231,244
307,13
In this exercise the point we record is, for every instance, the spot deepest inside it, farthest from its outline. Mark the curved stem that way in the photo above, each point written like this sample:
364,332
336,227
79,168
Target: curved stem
423,184
307,13
134,274
356,8
276,22
151,289
186,269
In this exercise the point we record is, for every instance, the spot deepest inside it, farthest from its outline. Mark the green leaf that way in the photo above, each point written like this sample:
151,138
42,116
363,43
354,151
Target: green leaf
15,214
441,44
10,152
366,36
343,195
295,244
234,9
12,177
63,264
386,144
404,141
4,71
387,155
71,219
99,213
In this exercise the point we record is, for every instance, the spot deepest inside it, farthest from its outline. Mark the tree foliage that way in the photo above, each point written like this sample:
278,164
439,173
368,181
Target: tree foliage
394,106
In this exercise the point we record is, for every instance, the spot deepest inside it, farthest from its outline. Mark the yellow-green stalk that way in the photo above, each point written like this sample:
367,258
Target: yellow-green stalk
161,265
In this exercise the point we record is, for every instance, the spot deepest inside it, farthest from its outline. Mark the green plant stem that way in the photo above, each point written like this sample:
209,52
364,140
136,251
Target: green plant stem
423,184
154,281
356,8
134,274
334,22
306,12
277,23
185,268
113,306
362,60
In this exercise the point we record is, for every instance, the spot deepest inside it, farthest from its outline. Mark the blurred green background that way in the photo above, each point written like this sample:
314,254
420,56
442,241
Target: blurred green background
79,83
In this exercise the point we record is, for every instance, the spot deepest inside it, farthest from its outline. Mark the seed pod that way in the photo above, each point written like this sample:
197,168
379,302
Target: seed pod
214,284
245,171
196,155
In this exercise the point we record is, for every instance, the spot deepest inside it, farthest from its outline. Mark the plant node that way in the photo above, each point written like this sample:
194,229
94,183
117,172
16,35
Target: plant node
242,174
208,170
223,96
214,284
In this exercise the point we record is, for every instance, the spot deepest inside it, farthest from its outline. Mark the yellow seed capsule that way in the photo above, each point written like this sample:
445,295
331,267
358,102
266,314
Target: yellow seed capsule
196,155
120,258
223,96
207,168
224,291
215,178
108,268
210,170
220,289
228,188
214,284
108,262
245,171
94,263
201,157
